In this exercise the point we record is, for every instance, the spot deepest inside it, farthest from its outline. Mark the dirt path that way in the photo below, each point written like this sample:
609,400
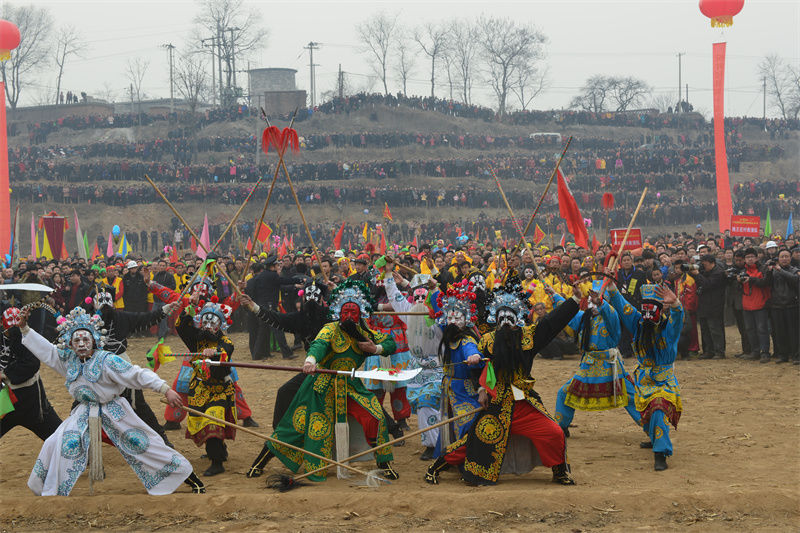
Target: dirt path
736,467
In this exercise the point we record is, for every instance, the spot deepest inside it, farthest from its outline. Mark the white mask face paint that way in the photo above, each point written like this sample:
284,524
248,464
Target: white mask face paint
82,343
210,322
456,318
506,317
478,283
312,293
103,299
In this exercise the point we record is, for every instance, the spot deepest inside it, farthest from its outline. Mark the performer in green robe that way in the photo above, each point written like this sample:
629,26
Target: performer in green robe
317,417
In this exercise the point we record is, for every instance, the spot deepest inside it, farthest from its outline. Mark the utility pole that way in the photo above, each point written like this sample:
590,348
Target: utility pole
233,59
220,36
680,54
687,96
341,82
764,112
170,48
213,69
313,85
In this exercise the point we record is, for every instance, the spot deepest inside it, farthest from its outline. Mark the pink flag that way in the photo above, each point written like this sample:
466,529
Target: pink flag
110,249
33,237
204,240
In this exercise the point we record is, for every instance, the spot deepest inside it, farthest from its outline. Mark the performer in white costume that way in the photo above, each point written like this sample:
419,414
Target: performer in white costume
96,378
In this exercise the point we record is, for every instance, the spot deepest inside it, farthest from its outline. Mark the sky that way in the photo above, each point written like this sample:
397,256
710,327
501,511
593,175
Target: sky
638,38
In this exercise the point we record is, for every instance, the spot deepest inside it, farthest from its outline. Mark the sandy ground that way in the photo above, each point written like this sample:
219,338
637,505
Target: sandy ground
736,467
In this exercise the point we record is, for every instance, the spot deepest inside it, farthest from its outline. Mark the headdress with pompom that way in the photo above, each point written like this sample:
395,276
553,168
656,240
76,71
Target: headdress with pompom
212,306
351,290
78,319
511,296
459,297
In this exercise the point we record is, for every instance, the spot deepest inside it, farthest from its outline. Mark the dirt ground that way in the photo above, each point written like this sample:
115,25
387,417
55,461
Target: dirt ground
736,467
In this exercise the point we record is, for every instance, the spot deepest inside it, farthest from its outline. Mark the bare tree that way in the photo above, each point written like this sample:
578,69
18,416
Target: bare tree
449,73
377,35
628,91
462,49
663,101
794,90
135,72
432,39
35,25
68,43
507,46
529,84
237,31
593,95
191,79
778,76
405,63
107,93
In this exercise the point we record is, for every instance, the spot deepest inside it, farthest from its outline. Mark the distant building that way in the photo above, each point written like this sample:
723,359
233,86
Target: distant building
274,89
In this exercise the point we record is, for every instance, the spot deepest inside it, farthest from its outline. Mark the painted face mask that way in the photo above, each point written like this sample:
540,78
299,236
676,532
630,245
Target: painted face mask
419,295
210,322
11,317
350,311
506,317
651,312
478,282
528,273
102,299
312,293
82,344
456,318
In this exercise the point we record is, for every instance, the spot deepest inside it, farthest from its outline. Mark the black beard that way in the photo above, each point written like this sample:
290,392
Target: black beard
105,314
350,327
208,336
647,336
507,356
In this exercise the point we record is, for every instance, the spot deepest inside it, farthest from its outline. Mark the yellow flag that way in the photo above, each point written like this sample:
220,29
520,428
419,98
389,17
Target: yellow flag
364,233
46,253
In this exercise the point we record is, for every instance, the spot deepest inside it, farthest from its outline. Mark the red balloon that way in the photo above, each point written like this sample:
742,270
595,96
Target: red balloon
721,12
9,35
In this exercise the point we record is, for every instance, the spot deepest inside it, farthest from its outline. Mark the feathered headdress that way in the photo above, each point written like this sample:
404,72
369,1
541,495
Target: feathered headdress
354,291
608,201
459,297
511,296
280,140
78,319
221,311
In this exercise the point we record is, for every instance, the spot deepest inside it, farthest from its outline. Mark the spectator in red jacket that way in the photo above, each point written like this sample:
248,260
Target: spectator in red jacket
755,296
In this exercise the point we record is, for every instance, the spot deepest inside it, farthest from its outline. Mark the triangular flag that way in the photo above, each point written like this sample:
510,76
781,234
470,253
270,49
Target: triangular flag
110,249
95,252
568,210
7,401
538,235
386,213
563,241
86,244
382,246
264,233
79,236
46,252
204,240
364,232
124,248
249,245
64,252
173,256
768,225
193,244
282,249
414,242
595,243
38,251
291,242
337,240
158,355
789,226
488,380
34,243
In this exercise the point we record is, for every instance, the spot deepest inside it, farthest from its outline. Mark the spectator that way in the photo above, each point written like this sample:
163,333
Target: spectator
711,307
134,287
784,308
755,295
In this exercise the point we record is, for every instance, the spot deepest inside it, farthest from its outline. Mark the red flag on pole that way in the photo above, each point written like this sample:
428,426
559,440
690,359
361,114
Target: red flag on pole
568,210
382,246
563,241
95,252
414,242
249,244
538,235
386,213
264,233
337,240
595,243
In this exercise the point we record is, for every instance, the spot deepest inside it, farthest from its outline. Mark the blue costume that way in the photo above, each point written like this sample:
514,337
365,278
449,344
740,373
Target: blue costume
658,395
601,382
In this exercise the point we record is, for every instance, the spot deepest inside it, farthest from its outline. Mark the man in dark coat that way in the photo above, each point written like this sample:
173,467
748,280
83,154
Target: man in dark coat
711,284
264,289
135,289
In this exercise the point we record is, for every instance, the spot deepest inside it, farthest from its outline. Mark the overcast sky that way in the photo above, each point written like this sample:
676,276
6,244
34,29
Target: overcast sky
635,37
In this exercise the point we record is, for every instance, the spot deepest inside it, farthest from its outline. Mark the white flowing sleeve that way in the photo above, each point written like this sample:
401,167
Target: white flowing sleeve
132,376
399,302
44,351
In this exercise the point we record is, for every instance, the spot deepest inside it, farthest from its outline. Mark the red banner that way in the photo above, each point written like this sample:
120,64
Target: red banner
634,238
54,225
745,226
724,206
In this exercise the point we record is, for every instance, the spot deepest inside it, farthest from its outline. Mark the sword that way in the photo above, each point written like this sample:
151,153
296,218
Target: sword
378,374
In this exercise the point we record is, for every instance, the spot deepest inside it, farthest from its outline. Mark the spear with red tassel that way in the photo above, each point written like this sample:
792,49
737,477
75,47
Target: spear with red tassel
608,205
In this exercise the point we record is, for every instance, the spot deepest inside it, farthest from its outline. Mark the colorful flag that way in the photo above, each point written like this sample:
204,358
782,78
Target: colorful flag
264,233
364,232
34,243
790,226
205,242
337,240
95,252
768,225
386,213
7,401
160,354
249,245
86,243
568,210
46,252
488,380
79,236
382,245
414,242
110,248
595,243
124,247
538,235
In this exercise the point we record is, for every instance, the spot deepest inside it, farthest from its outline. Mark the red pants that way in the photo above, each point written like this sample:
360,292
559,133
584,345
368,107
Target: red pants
369,423
172,414
401,409
544,433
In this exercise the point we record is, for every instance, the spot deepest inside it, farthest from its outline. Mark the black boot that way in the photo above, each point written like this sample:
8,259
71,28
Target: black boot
660,462
198,487
646,444
393,428
427,455
261,461
566,432
249,422
169,425
561,475
432,474
387,471
403,424
215,468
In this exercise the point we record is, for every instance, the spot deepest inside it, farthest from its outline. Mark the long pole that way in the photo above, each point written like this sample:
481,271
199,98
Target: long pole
552,176
394,441
679,82
613,262
5,194
328,460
